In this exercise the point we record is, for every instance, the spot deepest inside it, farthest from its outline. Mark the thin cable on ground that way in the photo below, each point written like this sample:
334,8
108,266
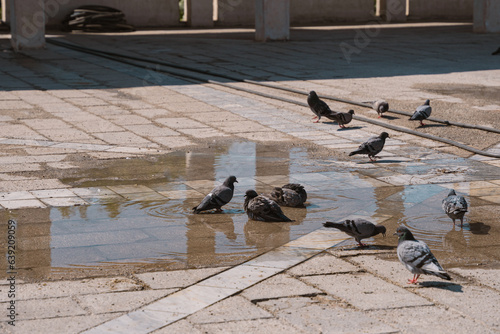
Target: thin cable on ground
113,56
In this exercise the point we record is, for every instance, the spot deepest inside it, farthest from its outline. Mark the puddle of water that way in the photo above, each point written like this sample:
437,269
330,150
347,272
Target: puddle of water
142,230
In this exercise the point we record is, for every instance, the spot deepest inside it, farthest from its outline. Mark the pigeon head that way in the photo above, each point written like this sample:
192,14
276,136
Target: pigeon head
404,233
381,229
230,180
452,193
384,135
351,112
312,96
251,194
383,107
426,103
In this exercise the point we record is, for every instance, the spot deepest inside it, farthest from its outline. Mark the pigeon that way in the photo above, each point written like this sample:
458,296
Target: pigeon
319,107
380,106
358,228
422,112
343,118
455,206
218,197
372,146
262,208
417,257
291,194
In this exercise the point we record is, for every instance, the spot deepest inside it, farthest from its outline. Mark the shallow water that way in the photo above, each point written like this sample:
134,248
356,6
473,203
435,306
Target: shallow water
144,222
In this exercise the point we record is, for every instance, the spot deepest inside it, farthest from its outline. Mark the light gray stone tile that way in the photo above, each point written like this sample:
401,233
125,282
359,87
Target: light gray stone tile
282,257
120,301
322,264
46,308
240,277
231,309
319,239
322,315
274,326
177,278
61,325
279,286
488,277
366,292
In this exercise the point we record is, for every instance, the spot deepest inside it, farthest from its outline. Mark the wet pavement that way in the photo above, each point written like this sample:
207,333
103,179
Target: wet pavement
101,164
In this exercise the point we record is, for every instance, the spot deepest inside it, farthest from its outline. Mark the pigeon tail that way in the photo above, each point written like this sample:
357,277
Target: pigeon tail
339,226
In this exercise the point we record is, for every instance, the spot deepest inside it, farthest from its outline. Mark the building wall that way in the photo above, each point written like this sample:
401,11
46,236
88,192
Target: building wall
441,9
143,13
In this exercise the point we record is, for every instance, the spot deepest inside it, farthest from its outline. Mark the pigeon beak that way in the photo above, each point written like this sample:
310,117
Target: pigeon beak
395,233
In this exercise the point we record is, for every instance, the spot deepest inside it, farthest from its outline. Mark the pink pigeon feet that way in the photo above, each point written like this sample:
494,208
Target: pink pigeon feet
414,280
219,210
316,118
421,123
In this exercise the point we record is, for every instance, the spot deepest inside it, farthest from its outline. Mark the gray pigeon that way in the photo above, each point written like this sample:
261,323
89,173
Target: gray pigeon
262,208
343,118
319,107
422,112
417,257
219,196
372,146
291,194
380,106
358,228
455,206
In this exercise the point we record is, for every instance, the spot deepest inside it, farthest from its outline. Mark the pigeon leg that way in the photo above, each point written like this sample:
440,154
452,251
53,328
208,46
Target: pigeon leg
316,118
218,210
372,158
362,244
414,280
379,116
421,123
453,221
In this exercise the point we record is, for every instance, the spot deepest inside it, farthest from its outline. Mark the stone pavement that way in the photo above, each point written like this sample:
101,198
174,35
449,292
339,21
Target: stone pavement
61,112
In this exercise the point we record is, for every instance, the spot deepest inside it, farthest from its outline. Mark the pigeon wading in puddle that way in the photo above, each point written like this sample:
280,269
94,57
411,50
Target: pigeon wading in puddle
455,206
358,228
291,194
219,196
262,208
416,256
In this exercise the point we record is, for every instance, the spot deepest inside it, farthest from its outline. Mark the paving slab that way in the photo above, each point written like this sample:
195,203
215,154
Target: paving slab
468,300
236,308
274,326
365,292
321,315
177,278
488,277
430,319
60,325
46,308
279,286
322,264
69,288
120,301
181,326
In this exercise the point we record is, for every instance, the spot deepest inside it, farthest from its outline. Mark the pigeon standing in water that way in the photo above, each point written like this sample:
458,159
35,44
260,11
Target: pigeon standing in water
219,196
372,146
358,228
291,194
259,207
417,257
380,106
319,107
343,118
455,206
422,112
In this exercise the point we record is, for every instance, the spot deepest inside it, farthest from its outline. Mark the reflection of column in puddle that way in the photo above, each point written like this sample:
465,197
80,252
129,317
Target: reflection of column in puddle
273,165
200,239
33,237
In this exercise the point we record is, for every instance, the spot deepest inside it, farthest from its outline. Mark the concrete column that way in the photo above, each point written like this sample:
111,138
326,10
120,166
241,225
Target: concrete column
27,24
200,13
272,20
395,10
486,16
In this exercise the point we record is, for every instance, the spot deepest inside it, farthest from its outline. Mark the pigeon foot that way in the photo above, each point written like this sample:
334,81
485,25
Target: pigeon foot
414,279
